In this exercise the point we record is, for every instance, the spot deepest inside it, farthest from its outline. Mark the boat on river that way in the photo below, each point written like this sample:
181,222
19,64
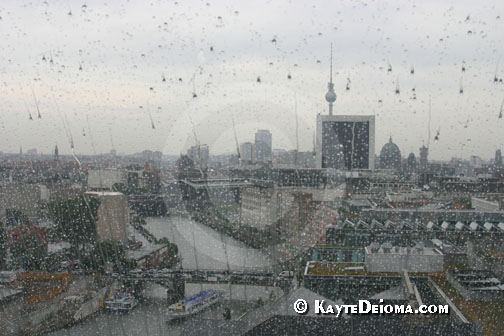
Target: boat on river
193,304
120,302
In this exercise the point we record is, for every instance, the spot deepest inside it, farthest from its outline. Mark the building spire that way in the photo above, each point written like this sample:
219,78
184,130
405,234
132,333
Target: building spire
330,75
56,153
330,95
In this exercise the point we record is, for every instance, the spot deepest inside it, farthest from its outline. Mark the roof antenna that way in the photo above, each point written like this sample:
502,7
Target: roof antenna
330,95
330,75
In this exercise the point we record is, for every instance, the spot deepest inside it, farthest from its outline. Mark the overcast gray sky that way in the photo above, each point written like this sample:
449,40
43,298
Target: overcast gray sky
219,48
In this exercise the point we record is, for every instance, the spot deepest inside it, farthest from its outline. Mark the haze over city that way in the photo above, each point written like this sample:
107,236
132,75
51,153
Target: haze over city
211,167
164,76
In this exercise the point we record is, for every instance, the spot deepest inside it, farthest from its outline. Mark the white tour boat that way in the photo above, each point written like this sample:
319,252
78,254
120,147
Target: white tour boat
121,302
193,304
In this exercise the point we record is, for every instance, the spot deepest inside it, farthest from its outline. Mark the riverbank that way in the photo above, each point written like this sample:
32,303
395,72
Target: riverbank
203,248
79,301
148,318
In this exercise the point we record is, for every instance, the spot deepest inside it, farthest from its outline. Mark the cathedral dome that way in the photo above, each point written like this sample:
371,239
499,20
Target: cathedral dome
390,156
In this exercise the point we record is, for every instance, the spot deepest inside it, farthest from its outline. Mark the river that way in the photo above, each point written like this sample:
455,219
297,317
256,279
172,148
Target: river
203,248
200,248
148,318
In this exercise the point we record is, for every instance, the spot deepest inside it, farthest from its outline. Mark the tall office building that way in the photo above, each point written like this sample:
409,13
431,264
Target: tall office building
247,153
344,142
200,154
263,143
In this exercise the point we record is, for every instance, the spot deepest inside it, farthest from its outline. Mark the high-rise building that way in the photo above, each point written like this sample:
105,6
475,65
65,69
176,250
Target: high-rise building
498,158
263,143
424,154
343,141
56,153
200,155
247,153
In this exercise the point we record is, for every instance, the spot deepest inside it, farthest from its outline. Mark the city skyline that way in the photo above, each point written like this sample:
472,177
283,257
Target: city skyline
245,71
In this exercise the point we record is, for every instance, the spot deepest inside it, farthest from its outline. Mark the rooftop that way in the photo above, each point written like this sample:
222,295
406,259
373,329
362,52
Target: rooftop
103,193
143,252
478,280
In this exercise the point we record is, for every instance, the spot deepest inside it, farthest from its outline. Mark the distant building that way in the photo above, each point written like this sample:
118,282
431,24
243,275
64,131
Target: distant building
388,258
56,153
153,157
487,256
264,207
32,151
24,199
263,145
469,227
478,285
411,165
424,154
481,204
345,142
17,234
293,158
475,161
390,156
113,216
200,155
104,179
186,169
498,158
247,153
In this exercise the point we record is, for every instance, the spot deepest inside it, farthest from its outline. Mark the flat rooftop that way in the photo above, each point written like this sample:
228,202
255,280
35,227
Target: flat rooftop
349,269
400,250
474,280
103,193
143,252
6,293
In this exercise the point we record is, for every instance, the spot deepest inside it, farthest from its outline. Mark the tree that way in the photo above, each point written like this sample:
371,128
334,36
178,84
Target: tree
3,244
124,188
259,303
172,247
170,258
105,252
15,217
75,220
29,251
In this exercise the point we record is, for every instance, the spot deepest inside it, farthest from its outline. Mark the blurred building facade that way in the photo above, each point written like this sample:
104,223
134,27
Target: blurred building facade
263,145
113,216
